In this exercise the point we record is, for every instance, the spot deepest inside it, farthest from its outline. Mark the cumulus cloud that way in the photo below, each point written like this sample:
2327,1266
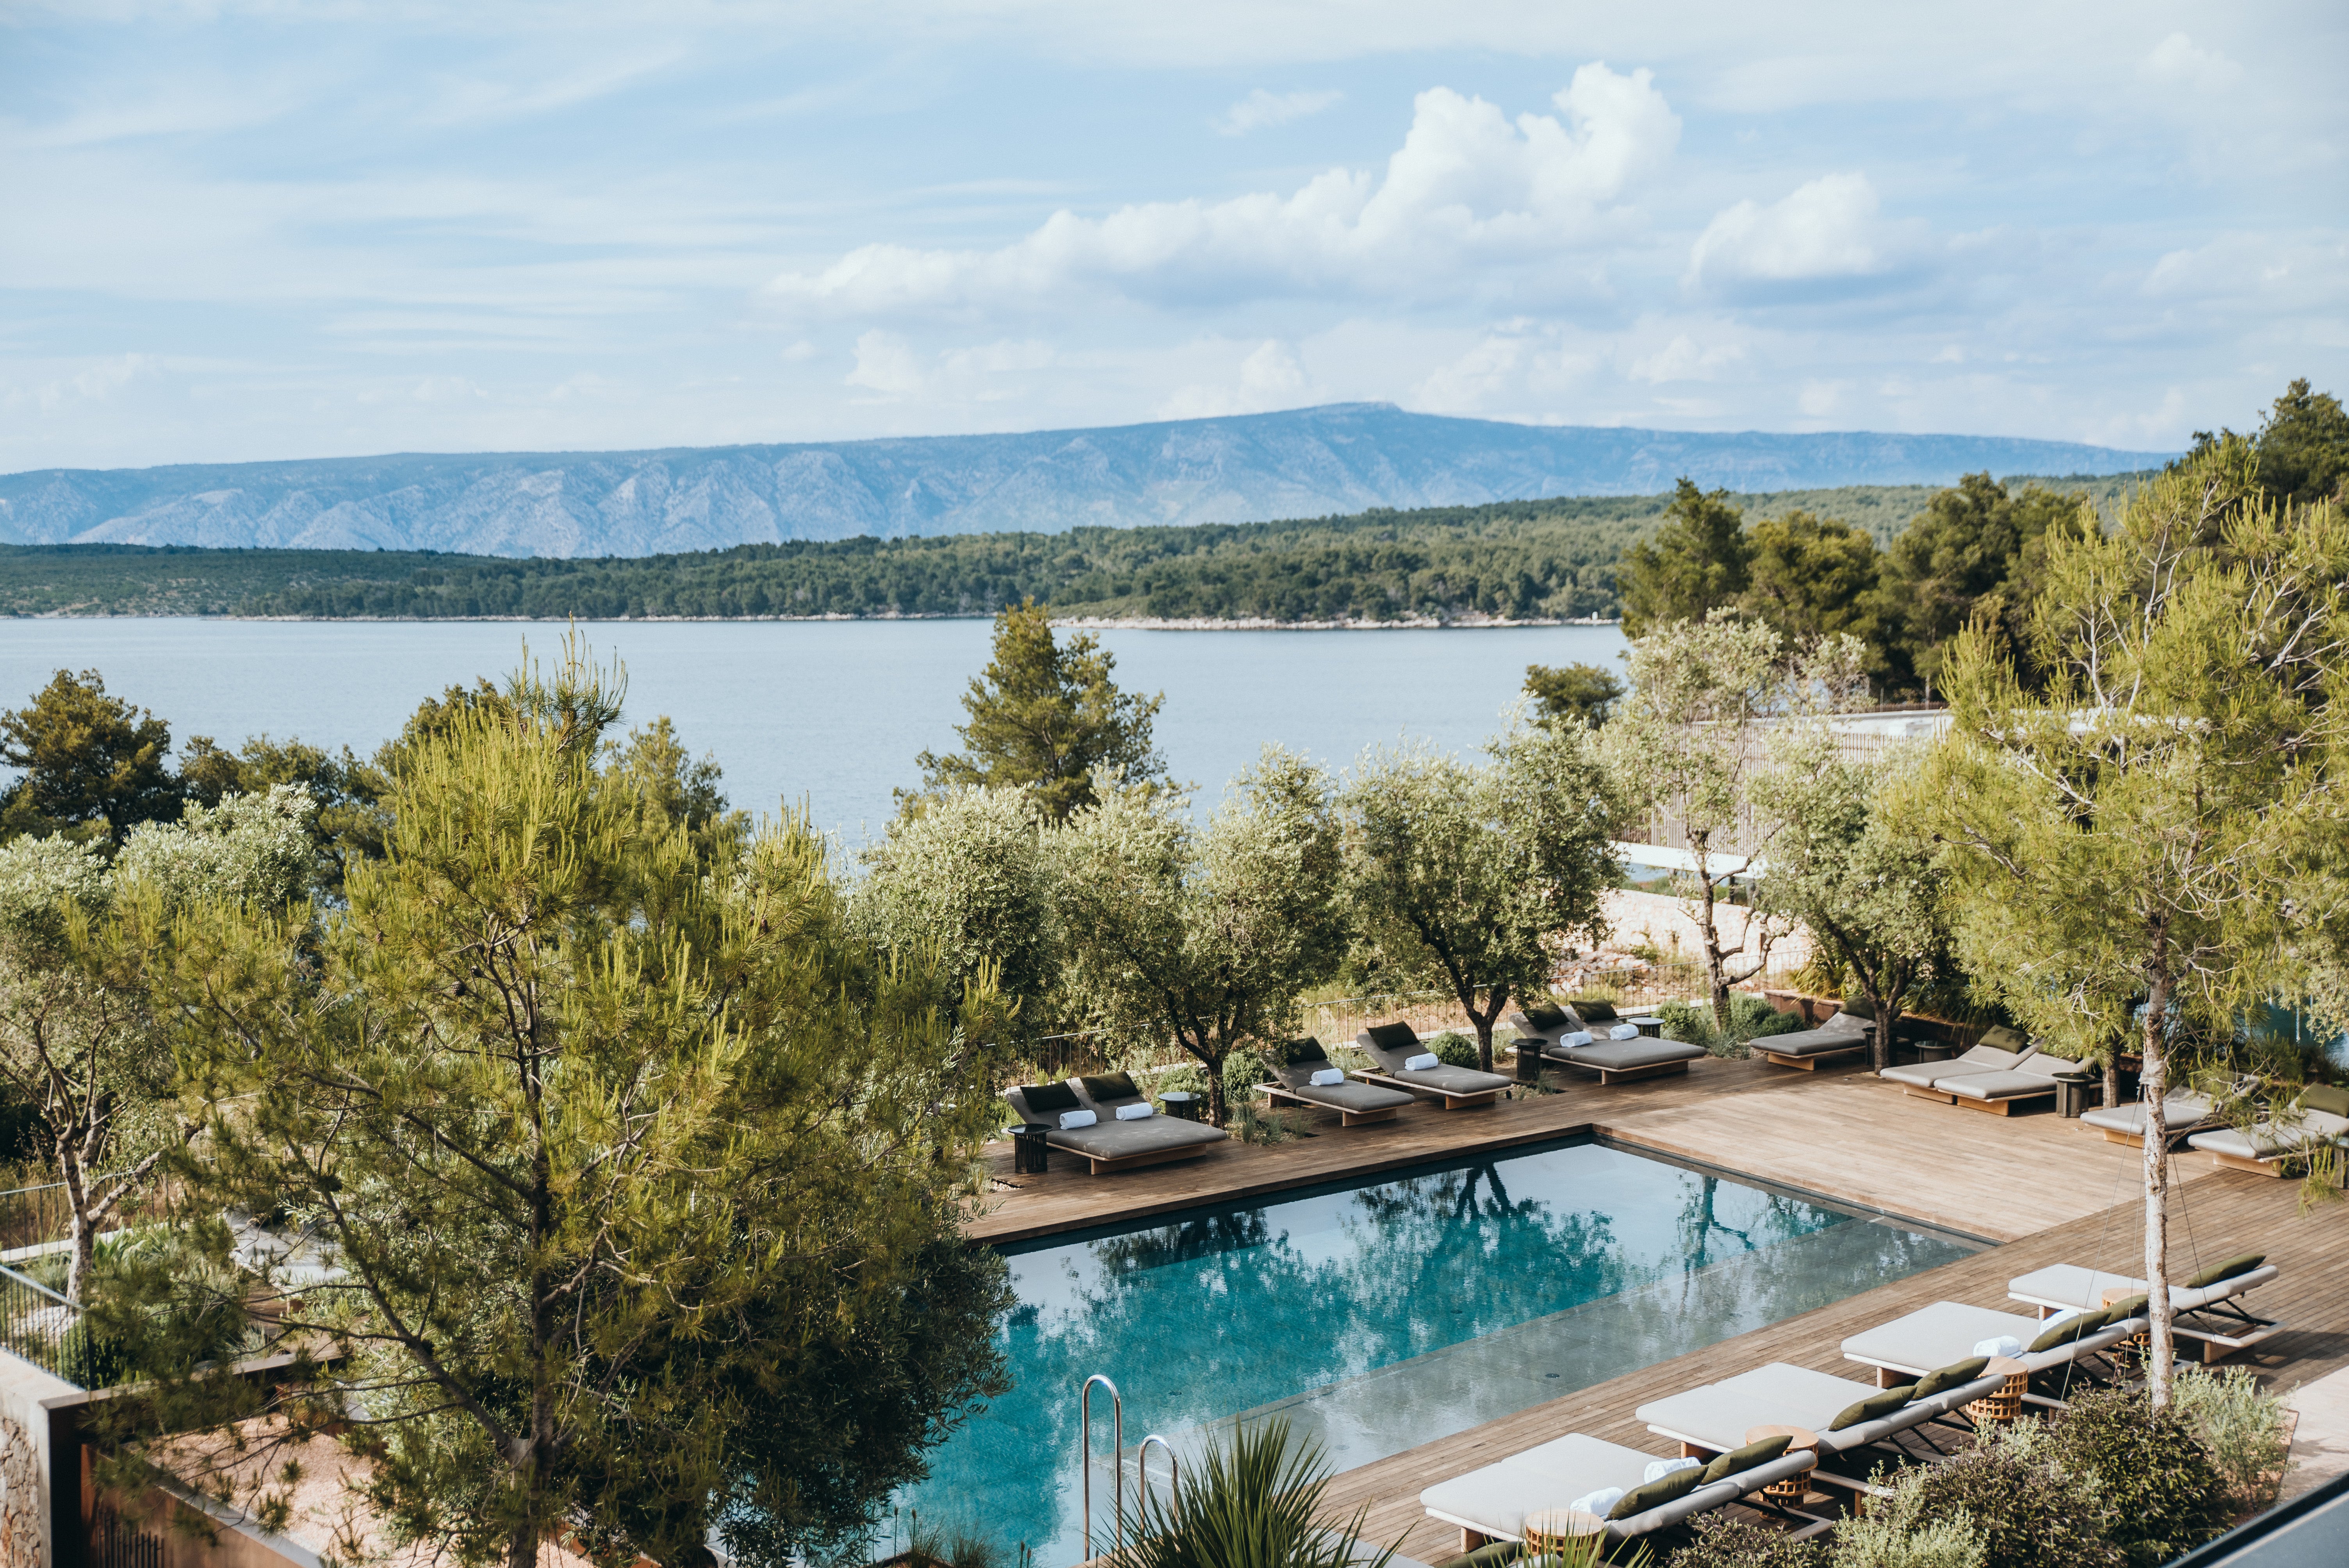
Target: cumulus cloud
1271,377
1824,230
1261,109
2179,63
1468,184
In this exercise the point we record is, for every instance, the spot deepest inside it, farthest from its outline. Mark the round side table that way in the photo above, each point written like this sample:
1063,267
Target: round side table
1029,1150
2006,1405
1795,1487
1551,1530
1181,1102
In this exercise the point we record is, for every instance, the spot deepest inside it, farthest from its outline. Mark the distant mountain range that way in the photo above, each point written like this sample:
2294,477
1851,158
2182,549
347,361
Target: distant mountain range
1309,462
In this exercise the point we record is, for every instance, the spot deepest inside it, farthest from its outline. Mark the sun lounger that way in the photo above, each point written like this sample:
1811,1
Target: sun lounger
2181,1114
2270,1148
1391,1045
1946,1332
1491,1503
1355,1103
2036,1077
2204,1306
1110,1144
1844,1034
1714,1419
1552,1030
1998,1050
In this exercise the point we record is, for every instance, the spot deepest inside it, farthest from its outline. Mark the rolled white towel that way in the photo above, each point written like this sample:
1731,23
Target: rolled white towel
2005,1345
1597,1503
1325,1077
1659,1468
1420,1062
1131,1112
1579,1038
1072,1120
1624,1032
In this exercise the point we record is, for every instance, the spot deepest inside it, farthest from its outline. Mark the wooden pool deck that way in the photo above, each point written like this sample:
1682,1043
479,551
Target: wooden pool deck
2047,1189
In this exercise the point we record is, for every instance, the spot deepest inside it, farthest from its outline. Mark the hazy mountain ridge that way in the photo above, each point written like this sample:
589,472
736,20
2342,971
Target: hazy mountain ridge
1345,458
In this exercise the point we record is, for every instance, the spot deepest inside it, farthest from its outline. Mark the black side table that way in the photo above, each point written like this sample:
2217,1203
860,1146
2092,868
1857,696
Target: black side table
2074,1095
1181,1102
1529,1062
1029,1148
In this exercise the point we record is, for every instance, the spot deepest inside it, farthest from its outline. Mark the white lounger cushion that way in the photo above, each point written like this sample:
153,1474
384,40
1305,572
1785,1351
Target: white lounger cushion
2269,1141
1494,1500
1981,1059
1945,1332
2179,1113
1719,1414
2070,1286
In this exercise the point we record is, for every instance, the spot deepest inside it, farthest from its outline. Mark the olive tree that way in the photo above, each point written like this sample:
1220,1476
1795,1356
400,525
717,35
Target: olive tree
969,878
2117,841
1689,745
1473,876
1205,936
1859,877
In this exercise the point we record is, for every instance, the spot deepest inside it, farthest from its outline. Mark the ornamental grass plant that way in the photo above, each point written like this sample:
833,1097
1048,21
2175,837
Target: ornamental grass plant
1251,1499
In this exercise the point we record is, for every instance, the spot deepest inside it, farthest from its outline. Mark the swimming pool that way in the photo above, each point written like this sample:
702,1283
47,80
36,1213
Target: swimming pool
1377,1318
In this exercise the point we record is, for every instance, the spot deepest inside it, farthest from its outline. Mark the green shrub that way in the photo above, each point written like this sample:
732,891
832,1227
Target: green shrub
1753,1018
1252,1497
2165,1495
1454,1049
2240,1426
1689,1022
1740,1543
2005,1504
1881,1539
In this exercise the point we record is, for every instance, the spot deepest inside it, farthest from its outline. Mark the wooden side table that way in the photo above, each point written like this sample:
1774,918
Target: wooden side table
1553,1530
1792,1490
1029,1150
2006,1405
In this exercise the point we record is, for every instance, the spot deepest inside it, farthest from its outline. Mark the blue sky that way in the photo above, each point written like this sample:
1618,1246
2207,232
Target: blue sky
233,231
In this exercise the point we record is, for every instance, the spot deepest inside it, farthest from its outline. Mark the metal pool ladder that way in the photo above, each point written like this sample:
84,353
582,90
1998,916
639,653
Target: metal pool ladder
1117,1462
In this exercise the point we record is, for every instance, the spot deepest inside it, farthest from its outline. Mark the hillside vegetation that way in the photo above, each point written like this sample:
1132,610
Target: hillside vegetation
1517,560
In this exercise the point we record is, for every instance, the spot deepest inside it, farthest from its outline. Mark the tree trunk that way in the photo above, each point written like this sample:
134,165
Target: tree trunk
83,1233
1711,932
1494,1000
2151,1086
2112,1080
1217,1109
1888,1020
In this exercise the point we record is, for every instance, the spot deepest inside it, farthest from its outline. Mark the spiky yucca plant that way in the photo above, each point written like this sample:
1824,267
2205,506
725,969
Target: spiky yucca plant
1251,1501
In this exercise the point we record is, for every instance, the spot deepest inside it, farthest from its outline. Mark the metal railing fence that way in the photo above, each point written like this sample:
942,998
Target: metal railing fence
37,1325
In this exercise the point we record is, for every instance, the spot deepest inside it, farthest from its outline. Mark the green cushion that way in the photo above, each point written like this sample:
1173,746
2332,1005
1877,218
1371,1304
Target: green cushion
1859,1007
1872,1407
1592,1010
1943,1378
2120,1310
1738,1462
1392,1036
1110,1086
1546,1016
1656,1493
1050,1098
2326,1098
1303,1049
2228,1270
2068,1330
2000,1038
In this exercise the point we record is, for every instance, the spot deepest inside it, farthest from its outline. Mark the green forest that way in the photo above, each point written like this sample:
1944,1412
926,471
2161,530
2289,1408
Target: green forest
1517,560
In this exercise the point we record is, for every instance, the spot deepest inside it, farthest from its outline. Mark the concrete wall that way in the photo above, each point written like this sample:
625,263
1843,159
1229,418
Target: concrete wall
40,1472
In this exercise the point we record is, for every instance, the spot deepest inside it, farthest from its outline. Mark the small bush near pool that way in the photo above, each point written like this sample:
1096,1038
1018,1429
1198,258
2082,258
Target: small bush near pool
1740,1543
2241,1426
2166,1496
1750,1019
1454,1049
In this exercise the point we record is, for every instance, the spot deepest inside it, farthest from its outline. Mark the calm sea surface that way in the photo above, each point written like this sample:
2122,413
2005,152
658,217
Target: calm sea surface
832,713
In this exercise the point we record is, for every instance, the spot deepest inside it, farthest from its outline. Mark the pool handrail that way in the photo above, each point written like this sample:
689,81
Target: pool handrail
1141,1475
1085,1458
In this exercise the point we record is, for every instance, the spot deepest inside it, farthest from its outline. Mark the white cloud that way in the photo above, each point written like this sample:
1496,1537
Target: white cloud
1271,377
1684,359
1825,229
1261,109
1467,184
2180,64
885,364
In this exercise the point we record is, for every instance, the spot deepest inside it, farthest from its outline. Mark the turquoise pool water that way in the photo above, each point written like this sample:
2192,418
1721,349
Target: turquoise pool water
1378,1317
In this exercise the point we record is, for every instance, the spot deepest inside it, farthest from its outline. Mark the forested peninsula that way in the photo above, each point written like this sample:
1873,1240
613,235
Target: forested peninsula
1521,560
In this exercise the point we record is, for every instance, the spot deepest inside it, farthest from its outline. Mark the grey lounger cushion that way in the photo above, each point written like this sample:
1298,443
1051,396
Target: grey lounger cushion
1981,1059
2181,1113
1622,1056
1945,1332
2268,1140
1357,1098
2037,1076
1109,1139
2070,1286
1843,1032
1719,1414
1443,1080
1494,1500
